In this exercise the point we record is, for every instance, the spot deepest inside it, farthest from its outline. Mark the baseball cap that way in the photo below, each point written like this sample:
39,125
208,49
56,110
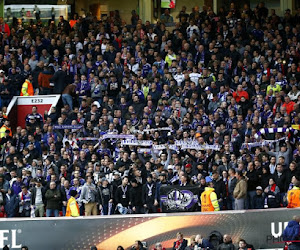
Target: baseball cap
1,71
170,167
207,89
259,188
116,173
188,165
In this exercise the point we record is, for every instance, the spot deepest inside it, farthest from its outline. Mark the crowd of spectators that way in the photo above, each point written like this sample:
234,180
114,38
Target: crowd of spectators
214,79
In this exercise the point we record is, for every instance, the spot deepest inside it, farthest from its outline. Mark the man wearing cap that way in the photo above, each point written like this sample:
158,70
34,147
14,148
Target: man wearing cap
209,200
258,200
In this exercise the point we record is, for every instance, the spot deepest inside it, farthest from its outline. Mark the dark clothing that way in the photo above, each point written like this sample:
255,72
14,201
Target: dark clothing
252,180
291,232
182,246
258,202
60,81
220,188
11,205
33,195
226,246
53,197
122,196
135,196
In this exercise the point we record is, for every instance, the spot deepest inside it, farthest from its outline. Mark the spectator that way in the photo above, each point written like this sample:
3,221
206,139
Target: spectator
291,233
38,198
272,194
227,243
53,198
166,17
201,242
180,243
258,199
240,192
24,202
158,246
89,197
11,204
243,245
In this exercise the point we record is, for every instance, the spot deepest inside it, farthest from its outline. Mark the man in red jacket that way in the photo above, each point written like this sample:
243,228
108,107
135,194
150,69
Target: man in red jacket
288,104
4,28
239,93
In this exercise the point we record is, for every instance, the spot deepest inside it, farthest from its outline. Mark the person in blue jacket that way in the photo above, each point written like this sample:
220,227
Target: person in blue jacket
11,204
291,233
203,243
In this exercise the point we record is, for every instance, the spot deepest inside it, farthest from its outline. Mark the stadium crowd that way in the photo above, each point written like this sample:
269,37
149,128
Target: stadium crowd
195,96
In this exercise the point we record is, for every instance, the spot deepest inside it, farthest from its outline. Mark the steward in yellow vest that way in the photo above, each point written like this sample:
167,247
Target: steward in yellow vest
209,200
72,206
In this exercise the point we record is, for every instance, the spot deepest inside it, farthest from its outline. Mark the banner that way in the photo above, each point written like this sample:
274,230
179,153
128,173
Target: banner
262,228
260,144
166,4
179,199
192,144
67,126
144,143
116,136
272,131
162,147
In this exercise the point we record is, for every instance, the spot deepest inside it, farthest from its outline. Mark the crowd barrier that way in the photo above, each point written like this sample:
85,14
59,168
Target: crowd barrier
262,228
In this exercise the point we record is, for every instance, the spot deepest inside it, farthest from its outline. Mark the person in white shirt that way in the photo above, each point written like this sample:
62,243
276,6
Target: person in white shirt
179,77
192,29
78,44
194,76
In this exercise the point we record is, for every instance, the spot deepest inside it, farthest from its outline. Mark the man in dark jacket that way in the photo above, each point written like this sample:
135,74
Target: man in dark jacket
180,243
219,187
149,195
231,185
135,197
38,198
258,200
59,80
227,243
53,197
35,74
11,204
252,181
